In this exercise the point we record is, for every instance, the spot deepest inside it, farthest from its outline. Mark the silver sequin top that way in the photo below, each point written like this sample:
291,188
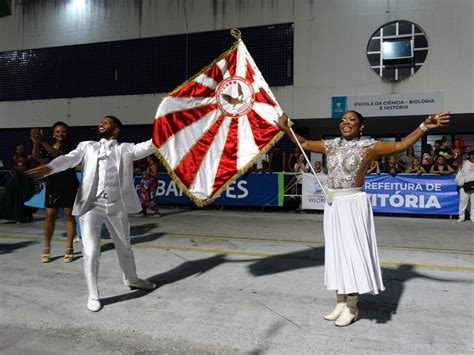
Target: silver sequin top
345,159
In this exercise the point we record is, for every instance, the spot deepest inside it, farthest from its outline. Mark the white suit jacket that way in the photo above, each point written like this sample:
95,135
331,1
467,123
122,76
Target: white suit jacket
86,153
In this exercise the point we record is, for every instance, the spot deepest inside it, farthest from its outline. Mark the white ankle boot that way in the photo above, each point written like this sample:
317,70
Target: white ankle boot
350,312
341,303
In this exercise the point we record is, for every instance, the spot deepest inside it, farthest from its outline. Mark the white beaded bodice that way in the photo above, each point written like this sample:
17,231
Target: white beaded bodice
345,159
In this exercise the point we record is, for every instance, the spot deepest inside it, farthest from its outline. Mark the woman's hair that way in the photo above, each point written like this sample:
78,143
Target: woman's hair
154,158
428,148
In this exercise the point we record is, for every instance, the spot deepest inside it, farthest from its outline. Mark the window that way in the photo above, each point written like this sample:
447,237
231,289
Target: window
137,66
397,50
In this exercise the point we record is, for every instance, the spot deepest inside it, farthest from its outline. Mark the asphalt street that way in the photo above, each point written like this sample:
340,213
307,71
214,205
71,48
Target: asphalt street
237,282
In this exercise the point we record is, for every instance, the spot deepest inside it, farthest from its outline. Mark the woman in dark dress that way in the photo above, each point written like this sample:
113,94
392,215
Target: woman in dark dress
61,188
18,190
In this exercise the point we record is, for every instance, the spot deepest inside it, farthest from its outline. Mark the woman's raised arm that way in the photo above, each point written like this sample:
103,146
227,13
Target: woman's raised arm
433,121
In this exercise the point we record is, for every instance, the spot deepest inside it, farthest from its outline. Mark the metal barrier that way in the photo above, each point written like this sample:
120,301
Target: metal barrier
291,183
5,177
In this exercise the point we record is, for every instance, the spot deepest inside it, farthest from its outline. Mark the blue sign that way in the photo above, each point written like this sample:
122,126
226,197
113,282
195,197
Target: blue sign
413,194
253,189
338,106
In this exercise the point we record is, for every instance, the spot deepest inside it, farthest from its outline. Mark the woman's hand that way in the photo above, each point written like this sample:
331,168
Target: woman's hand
282,122
434,121
36,135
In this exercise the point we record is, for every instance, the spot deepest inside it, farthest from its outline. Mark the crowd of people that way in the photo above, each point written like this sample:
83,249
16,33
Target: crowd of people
61,188
440,160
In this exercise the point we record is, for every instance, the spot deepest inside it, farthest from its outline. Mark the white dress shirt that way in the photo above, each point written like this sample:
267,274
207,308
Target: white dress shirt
108,182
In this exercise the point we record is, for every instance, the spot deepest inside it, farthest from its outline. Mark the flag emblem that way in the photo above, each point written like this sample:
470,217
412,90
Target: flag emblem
212,128
235,96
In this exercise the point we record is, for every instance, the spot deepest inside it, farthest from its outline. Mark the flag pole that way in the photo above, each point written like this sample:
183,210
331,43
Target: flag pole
310,166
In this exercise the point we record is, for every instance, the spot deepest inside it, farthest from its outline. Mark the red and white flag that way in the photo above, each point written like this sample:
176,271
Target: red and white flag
213,127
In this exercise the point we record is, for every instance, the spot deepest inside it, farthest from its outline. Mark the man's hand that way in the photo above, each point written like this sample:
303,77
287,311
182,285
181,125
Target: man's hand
434,121
39,172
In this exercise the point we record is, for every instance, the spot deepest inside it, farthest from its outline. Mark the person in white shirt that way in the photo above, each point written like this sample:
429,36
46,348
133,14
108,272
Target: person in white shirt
300,167
106,193
466,192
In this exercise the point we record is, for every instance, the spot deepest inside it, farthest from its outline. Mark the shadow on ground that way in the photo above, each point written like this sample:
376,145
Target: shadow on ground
384,306
7,248
186,269
380,308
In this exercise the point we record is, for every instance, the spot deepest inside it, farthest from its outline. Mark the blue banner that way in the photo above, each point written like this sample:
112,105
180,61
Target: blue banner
413,194
253,189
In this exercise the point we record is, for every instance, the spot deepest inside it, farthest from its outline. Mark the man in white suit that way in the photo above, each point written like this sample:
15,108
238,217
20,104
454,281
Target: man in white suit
106,193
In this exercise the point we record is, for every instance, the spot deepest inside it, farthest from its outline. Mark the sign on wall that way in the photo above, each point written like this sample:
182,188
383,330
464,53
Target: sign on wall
389,105
402,193
405,193
312,196
254,189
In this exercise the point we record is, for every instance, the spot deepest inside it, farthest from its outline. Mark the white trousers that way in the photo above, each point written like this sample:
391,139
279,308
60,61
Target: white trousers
116,219
464,198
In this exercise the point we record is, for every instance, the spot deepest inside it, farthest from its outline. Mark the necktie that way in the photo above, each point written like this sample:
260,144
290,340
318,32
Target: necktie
102,150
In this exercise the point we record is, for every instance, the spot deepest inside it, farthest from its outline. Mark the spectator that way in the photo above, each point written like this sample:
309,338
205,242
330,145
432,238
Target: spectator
458,153
440,167
374,167
415,168
61,188
293,159
148,186
139,166
445,151
466,192
427,157
276,159
391,166
407,158
265,167
300,167
318,168
18,190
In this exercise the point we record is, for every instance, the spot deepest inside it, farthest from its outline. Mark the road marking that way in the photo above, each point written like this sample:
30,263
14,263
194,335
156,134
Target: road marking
390,264
278,241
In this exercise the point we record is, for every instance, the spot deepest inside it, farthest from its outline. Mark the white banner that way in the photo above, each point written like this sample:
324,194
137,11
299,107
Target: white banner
390,105
312,196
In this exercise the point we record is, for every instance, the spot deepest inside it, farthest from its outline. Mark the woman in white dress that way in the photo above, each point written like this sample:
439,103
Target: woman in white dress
351,258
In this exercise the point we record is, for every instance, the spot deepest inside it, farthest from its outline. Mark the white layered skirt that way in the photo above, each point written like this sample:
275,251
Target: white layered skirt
351,257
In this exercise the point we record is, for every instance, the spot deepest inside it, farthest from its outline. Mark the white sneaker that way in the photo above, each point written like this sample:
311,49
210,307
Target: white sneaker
142,285
461,219
93,305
